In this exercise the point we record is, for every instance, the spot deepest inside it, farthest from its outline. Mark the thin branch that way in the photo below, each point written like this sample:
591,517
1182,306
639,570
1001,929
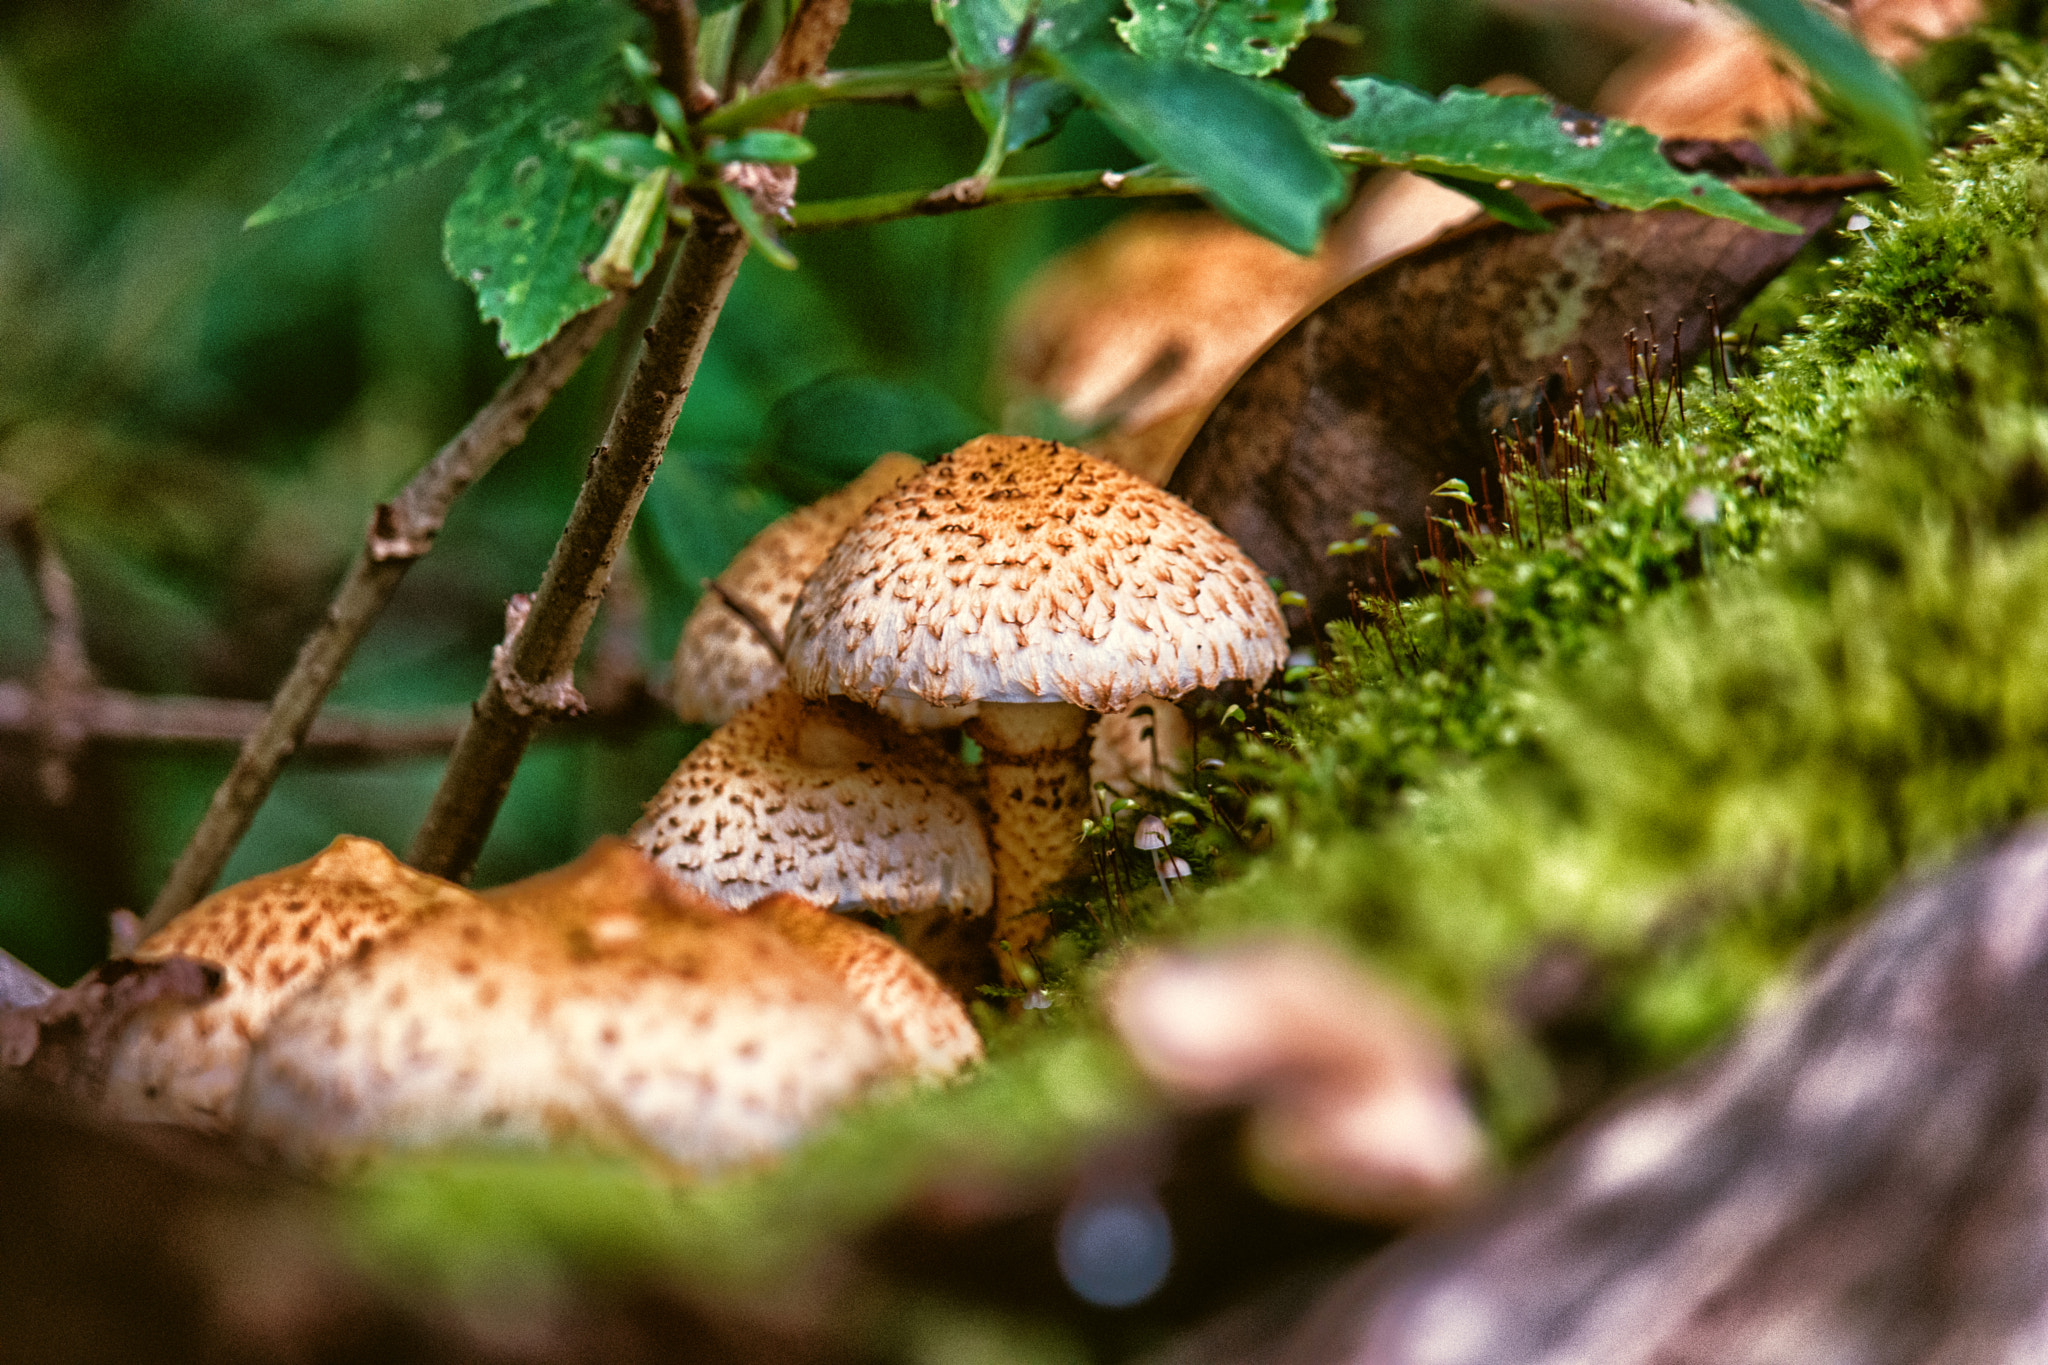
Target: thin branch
110,715
914,82
65,672
532,671
800,53
1019,189
675,49
400,532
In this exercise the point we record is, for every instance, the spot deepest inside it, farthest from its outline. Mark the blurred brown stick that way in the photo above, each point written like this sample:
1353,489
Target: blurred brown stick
109,714
65,671
401,531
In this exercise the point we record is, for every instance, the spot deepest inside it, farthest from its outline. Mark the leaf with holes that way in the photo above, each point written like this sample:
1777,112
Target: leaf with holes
553,60
1471,135
531,217
1250,37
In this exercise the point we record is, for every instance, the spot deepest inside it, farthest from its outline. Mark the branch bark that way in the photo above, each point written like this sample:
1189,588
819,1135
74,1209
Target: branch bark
532,671
1020,189
108,714
400,532
65,673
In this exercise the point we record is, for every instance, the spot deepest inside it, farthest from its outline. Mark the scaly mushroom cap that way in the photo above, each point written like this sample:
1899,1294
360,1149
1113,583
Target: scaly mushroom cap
930,1033
1021,570
826,800
596,1004
273,936
721,664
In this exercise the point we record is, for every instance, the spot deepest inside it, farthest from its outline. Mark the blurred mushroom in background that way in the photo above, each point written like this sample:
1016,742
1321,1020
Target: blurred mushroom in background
1355,1106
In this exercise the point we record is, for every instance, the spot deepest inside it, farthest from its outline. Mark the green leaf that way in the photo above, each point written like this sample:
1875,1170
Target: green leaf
1503,204
985,33
741,207
558,59
762,144
1872,92
1471,135
626,156
1250,37
523,228
1245,142
1037,109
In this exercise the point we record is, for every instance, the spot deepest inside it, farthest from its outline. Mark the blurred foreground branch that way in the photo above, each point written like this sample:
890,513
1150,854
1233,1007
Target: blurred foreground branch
1858,1179
401,531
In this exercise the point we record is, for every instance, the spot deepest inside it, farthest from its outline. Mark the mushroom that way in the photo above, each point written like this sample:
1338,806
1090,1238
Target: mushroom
1043,584
273,936
1144,745
826,800
722,663
600,1004
928,1031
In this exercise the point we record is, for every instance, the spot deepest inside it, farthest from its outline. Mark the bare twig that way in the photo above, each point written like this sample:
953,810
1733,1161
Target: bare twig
675,48
532,671
1019,189
65,672
107,714
400,532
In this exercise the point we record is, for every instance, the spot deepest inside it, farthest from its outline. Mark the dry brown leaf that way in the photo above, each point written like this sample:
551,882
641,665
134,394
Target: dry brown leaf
1394,384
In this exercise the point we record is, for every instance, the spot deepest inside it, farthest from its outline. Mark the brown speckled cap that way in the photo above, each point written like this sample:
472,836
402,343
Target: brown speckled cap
721,664
929,1032
1020,570
596,1005
825,800
273,936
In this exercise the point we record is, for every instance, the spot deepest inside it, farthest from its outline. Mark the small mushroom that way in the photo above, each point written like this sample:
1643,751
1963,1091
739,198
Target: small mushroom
598,1004
273,936
826,800
929,1032
722,664
1043,584
1151,836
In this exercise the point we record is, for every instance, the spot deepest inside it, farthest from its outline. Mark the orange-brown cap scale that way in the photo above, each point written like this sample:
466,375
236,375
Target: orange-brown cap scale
1021,570
273,936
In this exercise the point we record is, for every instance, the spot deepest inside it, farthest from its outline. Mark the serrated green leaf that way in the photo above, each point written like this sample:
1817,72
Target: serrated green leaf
1872,92
1250,37
1246,142
559,59
626,156
762,144
1505,205
530,218
1471,135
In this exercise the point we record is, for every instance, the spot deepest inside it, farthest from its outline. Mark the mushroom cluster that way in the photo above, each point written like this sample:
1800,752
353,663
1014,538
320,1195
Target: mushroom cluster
1046,588
368,1008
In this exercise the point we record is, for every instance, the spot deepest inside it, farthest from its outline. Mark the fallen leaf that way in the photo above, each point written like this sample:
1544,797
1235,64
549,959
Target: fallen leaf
1396,383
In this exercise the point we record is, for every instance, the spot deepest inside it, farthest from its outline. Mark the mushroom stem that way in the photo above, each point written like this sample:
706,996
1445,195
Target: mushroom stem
1035,762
